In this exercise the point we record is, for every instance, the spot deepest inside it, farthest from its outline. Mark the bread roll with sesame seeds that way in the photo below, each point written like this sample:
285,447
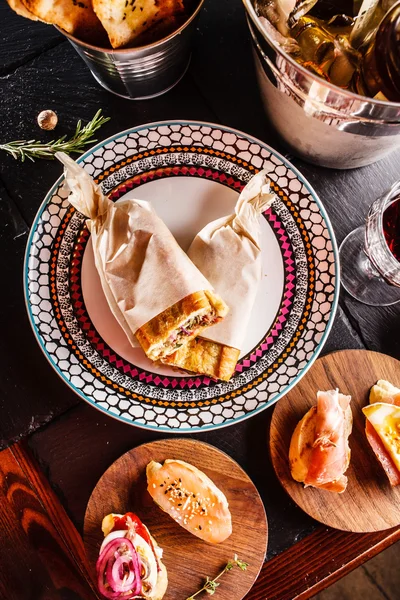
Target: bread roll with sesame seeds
190,498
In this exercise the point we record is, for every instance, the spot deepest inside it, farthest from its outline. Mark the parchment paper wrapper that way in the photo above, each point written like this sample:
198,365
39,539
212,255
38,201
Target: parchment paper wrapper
227,251
142,269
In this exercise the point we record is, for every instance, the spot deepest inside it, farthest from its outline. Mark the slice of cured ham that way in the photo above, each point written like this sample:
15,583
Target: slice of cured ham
330,454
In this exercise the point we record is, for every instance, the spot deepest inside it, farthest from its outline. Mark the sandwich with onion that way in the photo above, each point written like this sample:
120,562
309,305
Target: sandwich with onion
129,564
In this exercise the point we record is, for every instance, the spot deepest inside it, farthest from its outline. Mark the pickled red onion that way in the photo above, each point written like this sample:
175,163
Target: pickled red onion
111,565
117,574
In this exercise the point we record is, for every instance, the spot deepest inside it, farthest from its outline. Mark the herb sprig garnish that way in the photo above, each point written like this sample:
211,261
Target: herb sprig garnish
32,149
210,585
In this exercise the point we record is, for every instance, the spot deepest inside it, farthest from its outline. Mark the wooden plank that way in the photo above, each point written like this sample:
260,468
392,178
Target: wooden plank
378,327
23,405
60,80
41,553
24,39
26,184
39,540
36,526
223,70
11,217
347,196
316,562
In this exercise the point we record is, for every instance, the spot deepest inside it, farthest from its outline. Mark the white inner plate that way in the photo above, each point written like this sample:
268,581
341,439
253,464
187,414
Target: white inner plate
208,201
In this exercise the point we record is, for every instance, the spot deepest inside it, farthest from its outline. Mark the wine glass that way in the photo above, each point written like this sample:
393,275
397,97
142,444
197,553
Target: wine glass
370,255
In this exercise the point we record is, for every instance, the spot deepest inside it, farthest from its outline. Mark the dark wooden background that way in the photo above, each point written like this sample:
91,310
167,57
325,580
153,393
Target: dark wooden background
39,69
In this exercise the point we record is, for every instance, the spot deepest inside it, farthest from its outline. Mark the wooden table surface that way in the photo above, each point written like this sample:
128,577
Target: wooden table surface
46,480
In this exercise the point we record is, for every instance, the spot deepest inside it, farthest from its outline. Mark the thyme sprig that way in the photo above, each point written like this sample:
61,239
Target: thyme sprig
32,149
210,586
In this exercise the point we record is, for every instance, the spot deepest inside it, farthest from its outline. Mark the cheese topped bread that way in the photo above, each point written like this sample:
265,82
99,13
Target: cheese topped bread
125,20
382,429
76,18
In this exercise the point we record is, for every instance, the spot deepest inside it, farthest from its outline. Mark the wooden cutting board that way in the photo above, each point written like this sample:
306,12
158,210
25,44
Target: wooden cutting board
188,559
369,502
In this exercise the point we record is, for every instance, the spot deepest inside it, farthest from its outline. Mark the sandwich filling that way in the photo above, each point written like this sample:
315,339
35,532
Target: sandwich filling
189,327
186,330
180,323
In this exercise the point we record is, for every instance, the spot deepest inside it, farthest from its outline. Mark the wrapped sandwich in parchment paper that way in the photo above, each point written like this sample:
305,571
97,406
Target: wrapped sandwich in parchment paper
153,289
227,251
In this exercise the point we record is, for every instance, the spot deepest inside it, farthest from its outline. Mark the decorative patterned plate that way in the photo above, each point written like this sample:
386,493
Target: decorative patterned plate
192,173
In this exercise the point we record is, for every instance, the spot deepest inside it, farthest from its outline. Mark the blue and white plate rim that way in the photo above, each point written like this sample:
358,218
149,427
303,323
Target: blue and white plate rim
289,165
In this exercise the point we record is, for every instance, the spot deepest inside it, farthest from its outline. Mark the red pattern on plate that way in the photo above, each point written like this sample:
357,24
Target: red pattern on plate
124,366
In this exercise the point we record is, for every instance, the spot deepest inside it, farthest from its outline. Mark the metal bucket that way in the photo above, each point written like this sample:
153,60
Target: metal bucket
144,72
320,122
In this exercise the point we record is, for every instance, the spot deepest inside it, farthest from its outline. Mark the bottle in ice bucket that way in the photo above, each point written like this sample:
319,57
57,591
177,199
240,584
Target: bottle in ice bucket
380,69
316,44
354,44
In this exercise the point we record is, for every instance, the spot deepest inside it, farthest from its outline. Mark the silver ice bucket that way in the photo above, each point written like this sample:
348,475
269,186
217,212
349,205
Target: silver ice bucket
143,72
318,121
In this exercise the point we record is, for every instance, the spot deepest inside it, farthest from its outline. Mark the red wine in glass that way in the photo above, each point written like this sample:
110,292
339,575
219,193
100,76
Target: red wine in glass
370,255
391,227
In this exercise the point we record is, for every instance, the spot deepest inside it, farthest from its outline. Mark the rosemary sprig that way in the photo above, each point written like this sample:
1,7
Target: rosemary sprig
32,149
210,585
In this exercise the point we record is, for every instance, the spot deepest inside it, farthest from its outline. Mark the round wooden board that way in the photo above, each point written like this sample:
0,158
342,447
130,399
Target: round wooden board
369,502
188,559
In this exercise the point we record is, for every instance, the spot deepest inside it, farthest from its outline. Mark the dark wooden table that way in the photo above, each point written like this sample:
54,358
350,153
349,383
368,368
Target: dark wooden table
46,479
